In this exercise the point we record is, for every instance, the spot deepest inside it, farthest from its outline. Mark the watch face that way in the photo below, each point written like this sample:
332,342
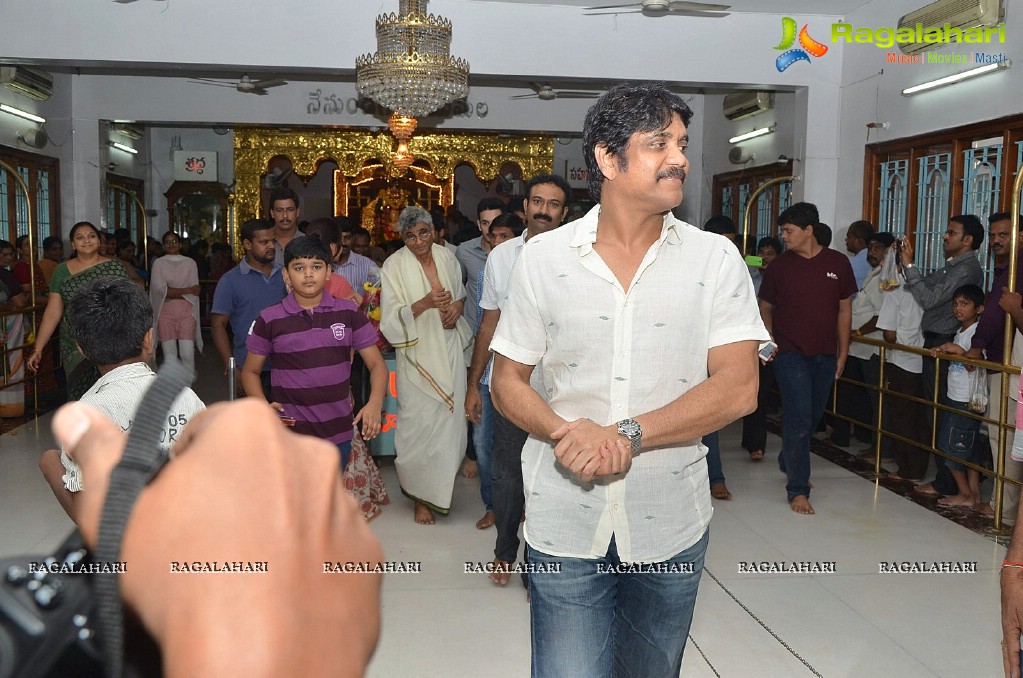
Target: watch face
629,428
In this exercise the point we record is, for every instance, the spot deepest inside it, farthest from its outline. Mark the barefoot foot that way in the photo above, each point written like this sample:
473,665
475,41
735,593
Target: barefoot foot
984,509
958,501
800,504
756,455
927,489
423,514
501,573
719,491
486,521
470,468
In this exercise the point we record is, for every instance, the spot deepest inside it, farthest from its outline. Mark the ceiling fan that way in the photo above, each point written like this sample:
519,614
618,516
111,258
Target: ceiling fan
663,7
544,92
245,85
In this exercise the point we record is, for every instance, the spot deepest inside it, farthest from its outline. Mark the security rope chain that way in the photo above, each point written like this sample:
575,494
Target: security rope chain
762,624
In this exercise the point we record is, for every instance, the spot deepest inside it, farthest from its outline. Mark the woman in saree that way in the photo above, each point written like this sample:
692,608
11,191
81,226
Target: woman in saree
12,333
69,277
174,293
421,316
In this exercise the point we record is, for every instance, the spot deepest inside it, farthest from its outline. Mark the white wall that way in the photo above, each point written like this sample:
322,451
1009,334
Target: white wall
871,92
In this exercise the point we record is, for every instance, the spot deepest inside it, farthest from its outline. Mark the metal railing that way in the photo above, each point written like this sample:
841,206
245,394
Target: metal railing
1005,430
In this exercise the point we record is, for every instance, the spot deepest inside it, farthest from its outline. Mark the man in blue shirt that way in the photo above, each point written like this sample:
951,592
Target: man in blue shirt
856,237
243,292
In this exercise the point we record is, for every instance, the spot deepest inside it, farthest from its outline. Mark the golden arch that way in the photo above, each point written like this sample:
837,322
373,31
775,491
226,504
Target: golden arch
351,149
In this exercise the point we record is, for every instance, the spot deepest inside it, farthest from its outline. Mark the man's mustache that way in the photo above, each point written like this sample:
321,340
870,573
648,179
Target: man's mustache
540,216
673,173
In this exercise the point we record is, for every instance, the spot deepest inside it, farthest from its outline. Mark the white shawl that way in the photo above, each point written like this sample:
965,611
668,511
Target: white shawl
174,270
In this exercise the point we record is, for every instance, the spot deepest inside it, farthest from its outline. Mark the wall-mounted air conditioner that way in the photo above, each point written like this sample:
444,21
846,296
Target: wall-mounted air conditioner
739,105
31,82
958,14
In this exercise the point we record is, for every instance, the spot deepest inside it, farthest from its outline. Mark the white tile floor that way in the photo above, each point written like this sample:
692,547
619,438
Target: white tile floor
855,623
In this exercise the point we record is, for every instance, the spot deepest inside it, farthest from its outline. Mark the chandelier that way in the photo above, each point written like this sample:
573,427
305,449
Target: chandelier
412,72
402,126
401,160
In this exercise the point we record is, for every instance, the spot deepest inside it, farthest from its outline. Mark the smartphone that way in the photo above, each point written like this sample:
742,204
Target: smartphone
767,350
754,261
286,420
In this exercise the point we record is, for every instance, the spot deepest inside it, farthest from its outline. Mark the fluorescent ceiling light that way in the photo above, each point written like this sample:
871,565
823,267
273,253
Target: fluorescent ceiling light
751,135
22,114
950,79
123,147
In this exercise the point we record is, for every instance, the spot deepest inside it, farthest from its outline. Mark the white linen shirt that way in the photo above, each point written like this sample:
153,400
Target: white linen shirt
901,312
498,272
607,355
865,305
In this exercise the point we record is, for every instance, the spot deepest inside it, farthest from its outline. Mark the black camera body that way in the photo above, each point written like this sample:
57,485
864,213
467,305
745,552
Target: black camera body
46,604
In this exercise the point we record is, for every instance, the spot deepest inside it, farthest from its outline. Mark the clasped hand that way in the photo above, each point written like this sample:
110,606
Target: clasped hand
589,450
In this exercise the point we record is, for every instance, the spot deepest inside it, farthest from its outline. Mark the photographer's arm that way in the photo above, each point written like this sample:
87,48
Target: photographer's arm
210,503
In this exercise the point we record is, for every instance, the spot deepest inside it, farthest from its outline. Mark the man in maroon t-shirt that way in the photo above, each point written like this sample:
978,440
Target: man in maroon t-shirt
806,304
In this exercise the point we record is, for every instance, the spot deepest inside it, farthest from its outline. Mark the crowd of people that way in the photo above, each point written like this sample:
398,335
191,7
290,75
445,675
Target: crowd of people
520,346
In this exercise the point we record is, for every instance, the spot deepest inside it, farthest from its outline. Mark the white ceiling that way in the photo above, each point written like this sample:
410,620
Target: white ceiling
789,7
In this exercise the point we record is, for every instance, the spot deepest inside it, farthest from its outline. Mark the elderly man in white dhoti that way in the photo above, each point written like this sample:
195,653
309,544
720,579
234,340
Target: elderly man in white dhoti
421,304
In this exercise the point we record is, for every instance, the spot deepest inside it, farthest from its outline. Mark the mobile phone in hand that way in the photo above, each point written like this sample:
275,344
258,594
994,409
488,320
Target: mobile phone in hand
767,350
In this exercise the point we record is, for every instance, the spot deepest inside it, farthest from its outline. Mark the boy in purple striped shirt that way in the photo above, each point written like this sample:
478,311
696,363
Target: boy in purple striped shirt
311,336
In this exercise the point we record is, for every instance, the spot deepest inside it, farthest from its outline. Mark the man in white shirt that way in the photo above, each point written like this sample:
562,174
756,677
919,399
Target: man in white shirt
900,318
546,204
863,363
617,496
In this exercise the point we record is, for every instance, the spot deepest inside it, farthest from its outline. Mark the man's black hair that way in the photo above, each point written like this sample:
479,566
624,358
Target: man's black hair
515,203
326,230
621,112
720,224
509,220
969,293
109,318
801,214
305,247
885,239
250,227
488,204
344,224
772,242
971,227
51,240
861,229
283,193
822,233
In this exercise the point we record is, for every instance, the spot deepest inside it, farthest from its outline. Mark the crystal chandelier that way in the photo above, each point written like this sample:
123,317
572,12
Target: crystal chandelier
412,72
401,160
402,126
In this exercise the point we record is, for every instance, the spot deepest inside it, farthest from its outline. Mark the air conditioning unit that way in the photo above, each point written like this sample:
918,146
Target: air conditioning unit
31,82
958,14
739,105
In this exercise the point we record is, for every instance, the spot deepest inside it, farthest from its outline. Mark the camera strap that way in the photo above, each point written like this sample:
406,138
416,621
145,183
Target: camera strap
142,460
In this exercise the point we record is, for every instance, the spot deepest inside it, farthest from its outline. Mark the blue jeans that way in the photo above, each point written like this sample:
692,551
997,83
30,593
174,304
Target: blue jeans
483,440
590,624
715,472
805,383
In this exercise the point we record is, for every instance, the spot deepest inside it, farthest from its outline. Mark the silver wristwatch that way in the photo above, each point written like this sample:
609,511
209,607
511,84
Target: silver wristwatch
631,429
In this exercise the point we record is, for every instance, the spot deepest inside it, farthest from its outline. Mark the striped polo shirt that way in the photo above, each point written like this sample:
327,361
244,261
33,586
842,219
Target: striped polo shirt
311,353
